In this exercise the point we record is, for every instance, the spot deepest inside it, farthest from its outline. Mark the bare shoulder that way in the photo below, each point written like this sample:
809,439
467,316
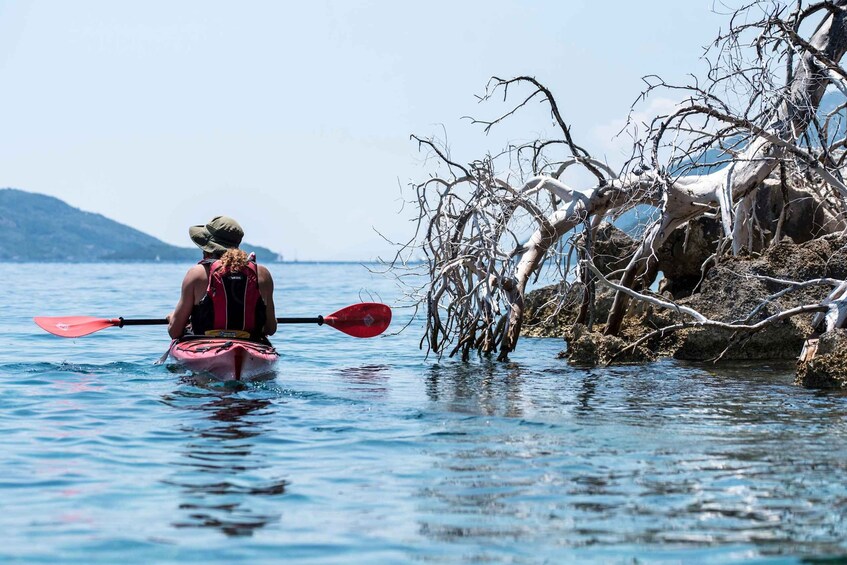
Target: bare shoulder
264,273
195,273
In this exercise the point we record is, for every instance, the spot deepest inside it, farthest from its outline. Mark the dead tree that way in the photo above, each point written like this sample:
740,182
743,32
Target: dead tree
735,135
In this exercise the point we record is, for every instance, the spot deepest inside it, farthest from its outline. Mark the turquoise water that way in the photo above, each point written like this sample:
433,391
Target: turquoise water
365,451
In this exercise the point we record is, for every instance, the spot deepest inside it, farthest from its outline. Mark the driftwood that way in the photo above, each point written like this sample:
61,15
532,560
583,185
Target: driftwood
747,138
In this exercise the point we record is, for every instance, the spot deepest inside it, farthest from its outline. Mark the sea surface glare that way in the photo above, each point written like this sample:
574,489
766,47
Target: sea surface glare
364,451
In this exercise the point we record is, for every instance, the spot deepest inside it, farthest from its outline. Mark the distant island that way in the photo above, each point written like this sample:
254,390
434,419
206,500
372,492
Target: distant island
37,227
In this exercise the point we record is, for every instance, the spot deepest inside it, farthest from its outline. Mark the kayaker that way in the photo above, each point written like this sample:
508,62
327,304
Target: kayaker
226,291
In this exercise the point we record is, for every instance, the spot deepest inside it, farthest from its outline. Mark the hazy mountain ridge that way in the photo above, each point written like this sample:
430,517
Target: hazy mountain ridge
37,227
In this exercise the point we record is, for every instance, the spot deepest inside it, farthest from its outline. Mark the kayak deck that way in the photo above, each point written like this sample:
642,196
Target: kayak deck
224,358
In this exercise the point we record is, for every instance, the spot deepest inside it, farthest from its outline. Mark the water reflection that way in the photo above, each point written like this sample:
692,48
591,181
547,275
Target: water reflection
587,392
667,454
372,380
222,477
484,388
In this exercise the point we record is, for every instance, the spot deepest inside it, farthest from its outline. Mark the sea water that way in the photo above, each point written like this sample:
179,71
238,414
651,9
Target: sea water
367,451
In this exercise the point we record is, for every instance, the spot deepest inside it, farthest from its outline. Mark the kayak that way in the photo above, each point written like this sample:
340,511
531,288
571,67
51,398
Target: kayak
227,359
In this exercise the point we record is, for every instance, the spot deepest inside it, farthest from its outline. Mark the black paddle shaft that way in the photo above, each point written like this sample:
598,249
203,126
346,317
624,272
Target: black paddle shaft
319,320
142,322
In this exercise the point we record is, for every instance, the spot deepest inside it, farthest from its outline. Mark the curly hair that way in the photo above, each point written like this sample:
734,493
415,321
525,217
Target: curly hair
234,259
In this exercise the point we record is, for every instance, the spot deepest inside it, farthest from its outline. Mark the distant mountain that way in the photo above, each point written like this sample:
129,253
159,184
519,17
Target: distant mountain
36,227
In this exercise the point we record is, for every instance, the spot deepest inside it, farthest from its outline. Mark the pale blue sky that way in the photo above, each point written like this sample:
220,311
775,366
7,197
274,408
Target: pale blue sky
295,118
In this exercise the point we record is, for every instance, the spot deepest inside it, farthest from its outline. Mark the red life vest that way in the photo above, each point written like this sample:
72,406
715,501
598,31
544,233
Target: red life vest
232,301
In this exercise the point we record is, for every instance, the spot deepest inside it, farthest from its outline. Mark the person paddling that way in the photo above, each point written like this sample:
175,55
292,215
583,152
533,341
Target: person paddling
226,293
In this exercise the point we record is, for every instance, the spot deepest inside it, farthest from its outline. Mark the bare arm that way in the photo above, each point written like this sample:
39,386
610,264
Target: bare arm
266,289
187,298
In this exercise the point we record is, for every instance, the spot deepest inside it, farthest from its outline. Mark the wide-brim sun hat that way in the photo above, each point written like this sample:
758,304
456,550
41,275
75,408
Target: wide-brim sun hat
220,234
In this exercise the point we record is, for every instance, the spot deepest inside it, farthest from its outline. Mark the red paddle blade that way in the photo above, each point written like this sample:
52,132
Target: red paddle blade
367,319
73,326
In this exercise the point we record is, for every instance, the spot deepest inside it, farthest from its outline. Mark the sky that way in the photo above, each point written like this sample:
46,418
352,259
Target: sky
294,117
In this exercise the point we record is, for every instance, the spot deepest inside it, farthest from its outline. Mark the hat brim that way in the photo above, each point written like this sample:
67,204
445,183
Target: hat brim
203,239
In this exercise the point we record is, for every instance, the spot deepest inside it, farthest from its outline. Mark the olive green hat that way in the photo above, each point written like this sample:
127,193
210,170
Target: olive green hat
220,234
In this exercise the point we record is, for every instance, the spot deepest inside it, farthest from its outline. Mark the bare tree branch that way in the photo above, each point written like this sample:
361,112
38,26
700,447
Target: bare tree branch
747,132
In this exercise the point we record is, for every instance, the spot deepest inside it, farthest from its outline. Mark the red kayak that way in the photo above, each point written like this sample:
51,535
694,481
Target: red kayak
227,359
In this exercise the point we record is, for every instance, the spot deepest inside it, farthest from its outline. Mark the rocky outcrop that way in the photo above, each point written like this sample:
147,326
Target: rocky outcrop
804,218
590,348
732,290
827,367
551,310
682,256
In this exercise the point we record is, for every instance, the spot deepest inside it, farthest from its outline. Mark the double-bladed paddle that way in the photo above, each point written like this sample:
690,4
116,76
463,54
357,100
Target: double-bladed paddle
367,319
